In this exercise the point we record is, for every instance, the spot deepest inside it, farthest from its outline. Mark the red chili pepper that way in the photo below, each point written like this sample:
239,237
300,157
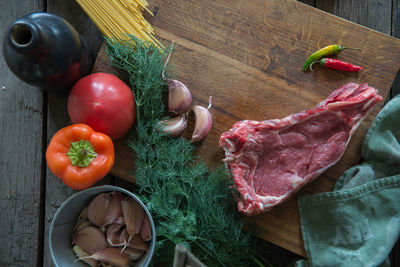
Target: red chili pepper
324,52
337,65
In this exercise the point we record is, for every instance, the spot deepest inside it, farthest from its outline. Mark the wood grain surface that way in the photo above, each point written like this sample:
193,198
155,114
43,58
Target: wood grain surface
248,56
57,115
20,158
395,31
372,16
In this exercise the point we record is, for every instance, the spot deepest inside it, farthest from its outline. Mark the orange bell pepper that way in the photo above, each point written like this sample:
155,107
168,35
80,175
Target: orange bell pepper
79,156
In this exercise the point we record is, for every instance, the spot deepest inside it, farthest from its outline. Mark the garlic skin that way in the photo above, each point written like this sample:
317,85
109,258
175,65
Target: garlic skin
174,126
134,254
82,224
105,209
179,97
119,220
81,253
114,210
83,214
113,233
112,256
123,237
138,243
145,229
133,215
97,209
90,239
134,241
203,123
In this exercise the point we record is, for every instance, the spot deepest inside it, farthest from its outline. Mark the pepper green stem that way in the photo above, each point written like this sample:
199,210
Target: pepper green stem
318,61
81,153
341,48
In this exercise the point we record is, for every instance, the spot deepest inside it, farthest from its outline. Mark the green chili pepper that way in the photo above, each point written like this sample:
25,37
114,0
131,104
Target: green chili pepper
326,51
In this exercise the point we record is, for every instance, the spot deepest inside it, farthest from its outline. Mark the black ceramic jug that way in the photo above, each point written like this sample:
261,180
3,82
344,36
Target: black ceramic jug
44,50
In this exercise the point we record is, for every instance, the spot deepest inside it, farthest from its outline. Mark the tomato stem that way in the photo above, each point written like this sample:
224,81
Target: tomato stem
81,153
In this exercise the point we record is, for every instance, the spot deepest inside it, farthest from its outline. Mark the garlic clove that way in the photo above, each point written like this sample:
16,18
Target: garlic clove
179,97
203,123
134,241
114,209
113,233
82,224
137,242
119,220
145,229
174,126
83,214
133,215
81,253
82,221
134,254
98,207
112,256
90,239
123,237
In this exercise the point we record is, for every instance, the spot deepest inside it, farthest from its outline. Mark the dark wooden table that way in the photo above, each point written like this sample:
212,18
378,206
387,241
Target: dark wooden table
29,193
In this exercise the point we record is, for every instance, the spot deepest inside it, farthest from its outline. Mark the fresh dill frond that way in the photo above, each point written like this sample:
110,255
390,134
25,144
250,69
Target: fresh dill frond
190,203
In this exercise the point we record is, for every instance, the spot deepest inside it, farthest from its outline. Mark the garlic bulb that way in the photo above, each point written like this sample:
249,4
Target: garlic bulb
174,126
179,97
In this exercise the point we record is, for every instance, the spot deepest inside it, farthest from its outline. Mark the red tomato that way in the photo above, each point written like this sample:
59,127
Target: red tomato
103,102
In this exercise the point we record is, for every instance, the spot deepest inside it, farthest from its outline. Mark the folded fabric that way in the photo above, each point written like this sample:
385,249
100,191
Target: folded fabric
358,223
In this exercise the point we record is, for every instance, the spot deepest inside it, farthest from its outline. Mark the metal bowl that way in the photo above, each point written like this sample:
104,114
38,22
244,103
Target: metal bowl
61,228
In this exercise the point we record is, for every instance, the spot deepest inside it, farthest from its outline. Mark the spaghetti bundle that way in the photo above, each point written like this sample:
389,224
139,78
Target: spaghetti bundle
117,18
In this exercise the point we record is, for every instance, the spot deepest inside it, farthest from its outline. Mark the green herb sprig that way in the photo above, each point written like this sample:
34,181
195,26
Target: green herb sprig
190,203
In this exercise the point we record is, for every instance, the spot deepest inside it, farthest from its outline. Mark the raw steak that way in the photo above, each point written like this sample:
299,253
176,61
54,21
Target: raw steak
271,160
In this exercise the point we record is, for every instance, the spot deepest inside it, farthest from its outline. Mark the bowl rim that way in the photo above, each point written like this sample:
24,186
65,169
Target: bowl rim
106,188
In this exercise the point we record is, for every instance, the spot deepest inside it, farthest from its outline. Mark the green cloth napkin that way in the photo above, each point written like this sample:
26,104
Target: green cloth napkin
358,223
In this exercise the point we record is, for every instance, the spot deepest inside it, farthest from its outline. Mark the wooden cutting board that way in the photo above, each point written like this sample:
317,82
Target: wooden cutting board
248,56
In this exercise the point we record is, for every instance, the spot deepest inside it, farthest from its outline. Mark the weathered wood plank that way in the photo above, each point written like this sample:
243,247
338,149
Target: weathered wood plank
56,191
396,18
308,2
20,157
374,14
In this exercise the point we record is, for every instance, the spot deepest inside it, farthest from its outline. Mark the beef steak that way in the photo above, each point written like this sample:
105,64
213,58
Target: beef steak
271,160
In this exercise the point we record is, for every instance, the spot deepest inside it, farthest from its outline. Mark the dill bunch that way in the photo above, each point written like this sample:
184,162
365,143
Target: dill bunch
190,203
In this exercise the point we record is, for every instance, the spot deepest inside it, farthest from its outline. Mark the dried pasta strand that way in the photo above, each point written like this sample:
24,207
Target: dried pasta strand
117,18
